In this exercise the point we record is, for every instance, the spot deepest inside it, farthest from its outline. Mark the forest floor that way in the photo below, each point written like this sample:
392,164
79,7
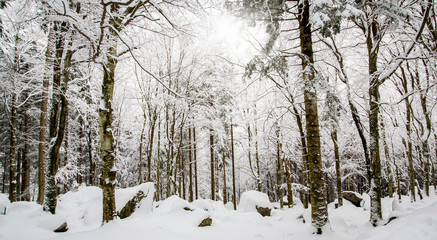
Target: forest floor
167,220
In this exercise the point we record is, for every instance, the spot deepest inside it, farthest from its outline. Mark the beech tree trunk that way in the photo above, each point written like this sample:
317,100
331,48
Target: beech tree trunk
107,150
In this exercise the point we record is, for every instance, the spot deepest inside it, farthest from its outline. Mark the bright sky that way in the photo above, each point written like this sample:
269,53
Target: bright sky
233,34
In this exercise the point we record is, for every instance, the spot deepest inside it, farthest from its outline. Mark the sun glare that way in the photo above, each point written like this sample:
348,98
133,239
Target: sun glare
234,34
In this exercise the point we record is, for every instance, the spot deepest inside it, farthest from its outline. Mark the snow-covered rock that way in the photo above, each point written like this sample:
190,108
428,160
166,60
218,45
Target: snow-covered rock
250,200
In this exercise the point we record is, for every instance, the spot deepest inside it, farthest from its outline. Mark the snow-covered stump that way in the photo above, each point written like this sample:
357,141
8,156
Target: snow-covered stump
255,201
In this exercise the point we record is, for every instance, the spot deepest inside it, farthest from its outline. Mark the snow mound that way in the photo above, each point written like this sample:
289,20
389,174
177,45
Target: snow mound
209,205
28,209
4,203
31,214
84,206
174,204
252,199
183,212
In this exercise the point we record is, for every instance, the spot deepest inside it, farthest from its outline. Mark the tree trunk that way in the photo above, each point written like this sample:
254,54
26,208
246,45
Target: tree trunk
158,164
288,179
337,168
234,198
140,150
43,116
258,169
25,162
375,181
409,144
387,161
106,136
150,150
18,156
190,160
57,129
211,149
225,192
12,153
195,162
319,210
279,166
304,152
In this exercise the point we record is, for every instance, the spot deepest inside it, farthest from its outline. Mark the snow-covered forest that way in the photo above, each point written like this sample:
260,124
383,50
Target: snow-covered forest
258,119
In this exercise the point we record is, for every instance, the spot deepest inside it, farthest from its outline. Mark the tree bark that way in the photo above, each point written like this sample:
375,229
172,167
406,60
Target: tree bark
319,210
190,160
58,125
337,168
106,134
279,166
234,197
12,152
43,116
258,169
158,164
225,192
375,181
195,163
25,162
211,149
409,144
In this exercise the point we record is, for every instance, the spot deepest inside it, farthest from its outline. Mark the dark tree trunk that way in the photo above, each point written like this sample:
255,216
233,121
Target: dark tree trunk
319,210
58,125
43,117
225,192
337,168
190,160
279,167
26,163
211,149
234,197
195,162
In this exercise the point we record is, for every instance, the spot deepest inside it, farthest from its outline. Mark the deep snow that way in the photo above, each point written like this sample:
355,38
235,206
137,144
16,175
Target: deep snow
175,218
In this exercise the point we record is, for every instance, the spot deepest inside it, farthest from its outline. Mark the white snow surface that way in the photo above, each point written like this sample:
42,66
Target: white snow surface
168,220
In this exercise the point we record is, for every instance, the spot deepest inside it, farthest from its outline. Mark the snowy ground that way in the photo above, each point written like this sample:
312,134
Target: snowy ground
168,220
